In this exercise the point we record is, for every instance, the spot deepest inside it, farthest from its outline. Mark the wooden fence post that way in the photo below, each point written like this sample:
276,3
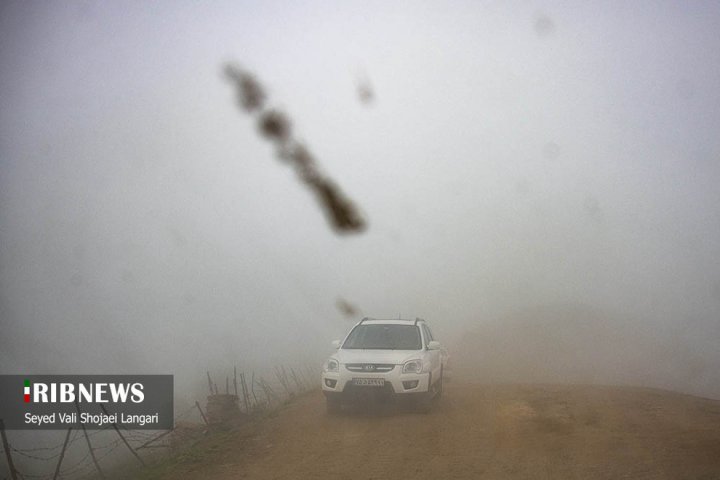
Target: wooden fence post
197,404
87,439
6,447
210,383
285,379
62,454
154,439
252,388
114,425
282,381
297,382
235,380
269,392
246,396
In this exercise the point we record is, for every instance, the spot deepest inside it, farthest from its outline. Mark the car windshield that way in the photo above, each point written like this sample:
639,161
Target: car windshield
384,337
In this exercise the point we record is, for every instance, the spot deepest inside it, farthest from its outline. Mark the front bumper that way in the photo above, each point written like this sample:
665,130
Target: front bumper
395,382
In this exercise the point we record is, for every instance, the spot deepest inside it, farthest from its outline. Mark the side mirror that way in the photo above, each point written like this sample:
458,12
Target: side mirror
336,344
434,345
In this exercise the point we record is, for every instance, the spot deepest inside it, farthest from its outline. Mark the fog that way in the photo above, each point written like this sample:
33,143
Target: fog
539,182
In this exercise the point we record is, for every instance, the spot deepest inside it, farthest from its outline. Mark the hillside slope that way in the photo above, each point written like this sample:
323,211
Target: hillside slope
479,431
577,344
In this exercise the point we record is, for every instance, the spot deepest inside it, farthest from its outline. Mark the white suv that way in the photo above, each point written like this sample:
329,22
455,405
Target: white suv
385,359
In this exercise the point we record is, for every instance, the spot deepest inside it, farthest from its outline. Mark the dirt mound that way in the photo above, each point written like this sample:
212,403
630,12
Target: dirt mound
576,344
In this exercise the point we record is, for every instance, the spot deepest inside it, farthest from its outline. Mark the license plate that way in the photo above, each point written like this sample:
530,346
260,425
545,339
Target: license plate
369,382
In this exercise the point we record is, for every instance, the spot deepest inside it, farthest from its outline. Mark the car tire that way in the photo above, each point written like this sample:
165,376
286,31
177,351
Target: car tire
439,386
333,405
428,401
424,404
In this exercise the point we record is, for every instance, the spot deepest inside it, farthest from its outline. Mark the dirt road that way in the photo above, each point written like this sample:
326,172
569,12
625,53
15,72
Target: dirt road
483,432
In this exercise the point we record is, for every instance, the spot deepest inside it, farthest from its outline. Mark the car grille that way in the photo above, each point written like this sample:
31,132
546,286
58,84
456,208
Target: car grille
370,367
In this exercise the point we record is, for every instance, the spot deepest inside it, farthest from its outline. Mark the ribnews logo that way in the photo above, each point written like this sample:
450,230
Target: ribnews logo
64,392
93,401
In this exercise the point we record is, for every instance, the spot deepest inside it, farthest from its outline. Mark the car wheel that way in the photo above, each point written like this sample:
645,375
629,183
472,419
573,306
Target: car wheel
425,403
439,386
333,405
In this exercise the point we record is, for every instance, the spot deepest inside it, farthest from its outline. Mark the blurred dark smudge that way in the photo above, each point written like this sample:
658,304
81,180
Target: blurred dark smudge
544,26
275,126
251,95
365,92
344,216
364,88
347,308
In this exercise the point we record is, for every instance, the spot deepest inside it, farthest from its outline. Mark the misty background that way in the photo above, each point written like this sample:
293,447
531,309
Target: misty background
540,182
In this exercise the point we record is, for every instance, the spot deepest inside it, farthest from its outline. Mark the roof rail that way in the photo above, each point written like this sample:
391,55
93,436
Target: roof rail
364,318
418,319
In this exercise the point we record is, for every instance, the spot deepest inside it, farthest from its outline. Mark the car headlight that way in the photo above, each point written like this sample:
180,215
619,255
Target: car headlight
332,365
412,366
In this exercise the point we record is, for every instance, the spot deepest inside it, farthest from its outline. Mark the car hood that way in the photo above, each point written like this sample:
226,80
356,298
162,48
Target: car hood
395,357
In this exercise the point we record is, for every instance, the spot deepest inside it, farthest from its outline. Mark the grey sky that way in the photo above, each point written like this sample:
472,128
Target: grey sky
517,154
